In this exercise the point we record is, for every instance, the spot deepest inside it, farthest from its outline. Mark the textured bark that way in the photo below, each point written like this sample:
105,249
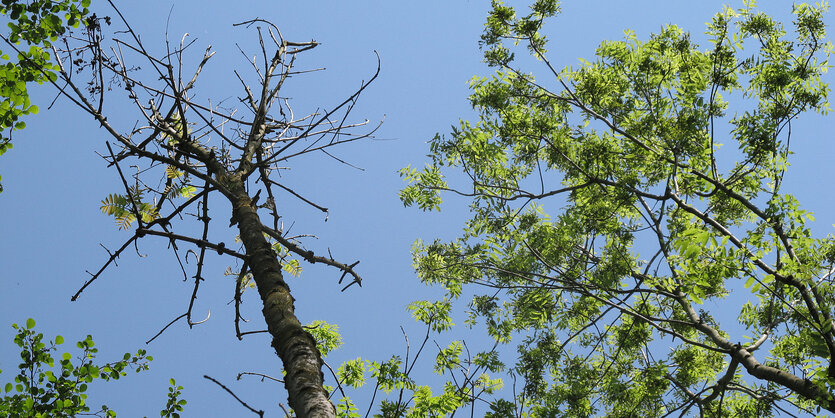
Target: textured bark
799,385
295,346
743,356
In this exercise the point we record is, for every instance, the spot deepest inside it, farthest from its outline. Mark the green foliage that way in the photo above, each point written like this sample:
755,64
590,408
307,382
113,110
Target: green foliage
33,26
426,405
426,197
433,314
125,208
652,232
288,263
346,408
178,183
352,373
466,375
326,335
174,405
389,376
43,388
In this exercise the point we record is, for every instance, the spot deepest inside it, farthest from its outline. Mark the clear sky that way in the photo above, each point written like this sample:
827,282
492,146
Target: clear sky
51,225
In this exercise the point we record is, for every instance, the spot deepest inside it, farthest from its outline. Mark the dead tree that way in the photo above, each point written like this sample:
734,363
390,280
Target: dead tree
187,150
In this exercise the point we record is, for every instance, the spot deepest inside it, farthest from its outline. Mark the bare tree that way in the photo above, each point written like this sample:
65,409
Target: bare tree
187,150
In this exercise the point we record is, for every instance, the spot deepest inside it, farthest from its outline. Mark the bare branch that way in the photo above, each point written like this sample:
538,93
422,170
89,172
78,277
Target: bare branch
259,412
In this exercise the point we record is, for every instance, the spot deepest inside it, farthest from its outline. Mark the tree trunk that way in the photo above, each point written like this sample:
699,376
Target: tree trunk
295,346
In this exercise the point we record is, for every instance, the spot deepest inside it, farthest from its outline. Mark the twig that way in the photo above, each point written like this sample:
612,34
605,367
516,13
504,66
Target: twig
259,413
312,258
164,328
261,375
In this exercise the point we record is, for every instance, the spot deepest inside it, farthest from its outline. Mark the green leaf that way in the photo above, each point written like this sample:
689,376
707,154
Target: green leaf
30,323
326,335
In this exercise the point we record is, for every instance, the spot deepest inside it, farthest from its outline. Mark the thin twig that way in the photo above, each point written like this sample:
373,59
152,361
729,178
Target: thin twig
259,413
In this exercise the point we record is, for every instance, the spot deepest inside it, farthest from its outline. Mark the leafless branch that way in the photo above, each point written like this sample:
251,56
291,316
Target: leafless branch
260,413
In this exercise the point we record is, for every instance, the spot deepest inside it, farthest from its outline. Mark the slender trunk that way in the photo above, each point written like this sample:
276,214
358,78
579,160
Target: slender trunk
295,346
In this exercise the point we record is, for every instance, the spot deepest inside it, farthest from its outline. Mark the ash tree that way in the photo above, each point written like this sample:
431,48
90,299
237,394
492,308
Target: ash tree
184,153
630,229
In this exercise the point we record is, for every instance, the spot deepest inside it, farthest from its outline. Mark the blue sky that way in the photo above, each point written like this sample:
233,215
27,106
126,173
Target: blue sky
51,225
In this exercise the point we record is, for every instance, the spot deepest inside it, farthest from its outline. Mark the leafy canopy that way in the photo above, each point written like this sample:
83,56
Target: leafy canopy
630,231
33,26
